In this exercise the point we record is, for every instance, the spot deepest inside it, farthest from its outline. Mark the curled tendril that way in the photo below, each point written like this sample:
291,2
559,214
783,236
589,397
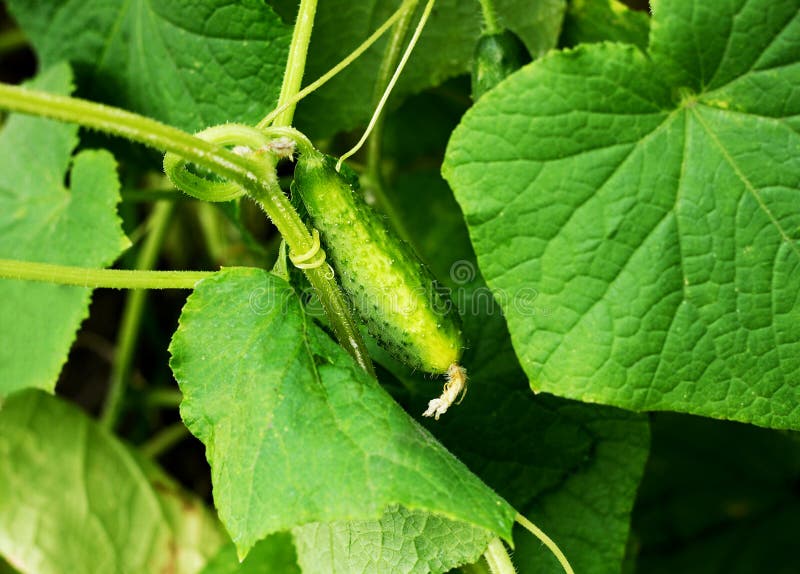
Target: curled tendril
246,139
312,258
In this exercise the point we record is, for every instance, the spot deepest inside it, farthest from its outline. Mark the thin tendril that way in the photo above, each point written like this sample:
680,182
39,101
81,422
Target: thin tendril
392,82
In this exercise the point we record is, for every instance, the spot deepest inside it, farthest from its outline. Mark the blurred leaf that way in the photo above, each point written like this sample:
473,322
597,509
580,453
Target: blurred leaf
590,21
44,218
274,554
75,499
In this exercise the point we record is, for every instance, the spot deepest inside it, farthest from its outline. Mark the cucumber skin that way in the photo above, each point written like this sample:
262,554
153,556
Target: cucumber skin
381,274
496,57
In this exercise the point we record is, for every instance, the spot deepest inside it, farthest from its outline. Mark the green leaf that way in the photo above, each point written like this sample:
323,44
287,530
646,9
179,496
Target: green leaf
718,497
444,50
652,204
43,219
275,554
400,542
75,499
588,21
294,431
190,64
571,468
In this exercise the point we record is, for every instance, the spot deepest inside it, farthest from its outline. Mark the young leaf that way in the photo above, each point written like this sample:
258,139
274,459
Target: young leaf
651,202
400,542
75,499
43,219
190,64
294,431
445,49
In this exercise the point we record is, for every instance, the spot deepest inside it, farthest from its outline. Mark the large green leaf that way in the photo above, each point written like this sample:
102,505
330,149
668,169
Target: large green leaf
652,203
75,499
400,542
718,497
444,50
43,219
571,468
294,431
191,64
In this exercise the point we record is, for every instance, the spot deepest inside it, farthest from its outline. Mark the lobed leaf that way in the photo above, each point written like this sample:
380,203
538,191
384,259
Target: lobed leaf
294,431
45,219
75,499
651,203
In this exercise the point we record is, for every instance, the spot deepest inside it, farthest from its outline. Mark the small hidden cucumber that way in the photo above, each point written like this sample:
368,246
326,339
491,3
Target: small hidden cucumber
391,289
496,56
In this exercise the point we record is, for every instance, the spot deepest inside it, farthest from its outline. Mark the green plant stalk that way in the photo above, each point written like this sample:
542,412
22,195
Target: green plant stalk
547,541
490,20
163,398
349,59
214,158
148,195
164,440
296,64
391,55
99,278
158,223
498,559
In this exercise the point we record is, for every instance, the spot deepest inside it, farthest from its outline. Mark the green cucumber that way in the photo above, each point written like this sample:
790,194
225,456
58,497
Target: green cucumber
391,289
496,56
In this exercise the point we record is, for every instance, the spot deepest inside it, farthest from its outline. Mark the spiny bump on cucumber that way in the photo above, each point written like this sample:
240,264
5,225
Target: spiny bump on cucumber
393,292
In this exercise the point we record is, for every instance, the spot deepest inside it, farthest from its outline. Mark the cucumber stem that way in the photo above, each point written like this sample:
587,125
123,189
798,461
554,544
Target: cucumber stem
296,64
498,559
99,278
490,20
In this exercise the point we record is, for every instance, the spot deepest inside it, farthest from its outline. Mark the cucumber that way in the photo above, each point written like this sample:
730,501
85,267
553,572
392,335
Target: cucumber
496,56
392,291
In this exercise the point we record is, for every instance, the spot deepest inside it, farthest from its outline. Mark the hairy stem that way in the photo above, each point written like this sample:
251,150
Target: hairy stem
158,223
213,157
296,64
498,559
547,541
99,278
490,21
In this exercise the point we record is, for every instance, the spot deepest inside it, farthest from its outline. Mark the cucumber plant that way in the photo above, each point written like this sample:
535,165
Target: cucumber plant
601,234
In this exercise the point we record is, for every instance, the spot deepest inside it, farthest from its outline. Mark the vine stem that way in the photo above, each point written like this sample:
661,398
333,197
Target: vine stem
498,559
164,440
158,223
296,64
215,158
490,16
100,278
547,541
349,59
